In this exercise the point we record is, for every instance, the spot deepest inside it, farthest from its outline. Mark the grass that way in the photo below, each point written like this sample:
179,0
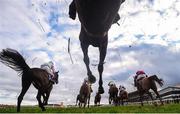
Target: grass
168,108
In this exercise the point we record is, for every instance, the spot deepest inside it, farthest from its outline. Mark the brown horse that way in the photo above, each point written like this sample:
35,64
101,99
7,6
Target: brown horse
38,77
123,97
97,99
84,94
147,83
96,17
113,94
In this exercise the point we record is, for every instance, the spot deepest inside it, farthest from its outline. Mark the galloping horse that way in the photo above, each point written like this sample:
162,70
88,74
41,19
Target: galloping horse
84,94
113,94
97,99
147,83
96,17
38,77
123,96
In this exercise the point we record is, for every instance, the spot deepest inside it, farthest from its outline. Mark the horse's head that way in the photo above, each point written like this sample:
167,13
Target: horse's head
97,16
56,76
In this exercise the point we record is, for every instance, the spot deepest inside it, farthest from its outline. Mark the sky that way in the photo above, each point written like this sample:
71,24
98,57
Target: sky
148,39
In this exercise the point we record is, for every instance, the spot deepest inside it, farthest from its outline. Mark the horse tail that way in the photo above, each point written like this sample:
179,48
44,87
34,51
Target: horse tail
155,78
14,60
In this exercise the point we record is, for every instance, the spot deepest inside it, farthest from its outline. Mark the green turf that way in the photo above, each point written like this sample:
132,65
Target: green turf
168,108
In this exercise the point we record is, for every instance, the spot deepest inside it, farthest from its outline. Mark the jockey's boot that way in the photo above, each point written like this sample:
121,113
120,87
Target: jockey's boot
72,10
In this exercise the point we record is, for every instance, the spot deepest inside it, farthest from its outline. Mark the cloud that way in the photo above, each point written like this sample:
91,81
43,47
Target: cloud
148,38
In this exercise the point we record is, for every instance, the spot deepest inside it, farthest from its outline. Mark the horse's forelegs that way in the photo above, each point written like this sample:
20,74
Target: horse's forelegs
88,101
25,87
158,96
141,99
102,50
84,48
41,105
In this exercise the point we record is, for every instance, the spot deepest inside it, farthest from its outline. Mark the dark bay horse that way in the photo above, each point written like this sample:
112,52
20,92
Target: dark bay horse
113,94
96,17
38,77
147,83
97,99
84,94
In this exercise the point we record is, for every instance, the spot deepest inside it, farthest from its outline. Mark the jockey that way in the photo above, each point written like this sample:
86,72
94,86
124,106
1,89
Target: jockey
111,83
72,12
86,81
139,75
122,88
49,67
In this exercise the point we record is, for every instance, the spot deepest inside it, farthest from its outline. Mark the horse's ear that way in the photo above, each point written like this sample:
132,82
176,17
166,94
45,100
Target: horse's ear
58,71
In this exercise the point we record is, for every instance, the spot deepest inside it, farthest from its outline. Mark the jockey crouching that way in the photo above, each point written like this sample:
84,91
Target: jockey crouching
139,76
122,88
49,67
111,83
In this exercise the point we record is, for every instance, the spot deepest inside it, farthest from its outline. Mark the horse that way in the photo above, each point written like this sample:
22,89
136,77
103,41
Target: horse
84,94
36,76
145,84
96,18
113,94
97,99
123,96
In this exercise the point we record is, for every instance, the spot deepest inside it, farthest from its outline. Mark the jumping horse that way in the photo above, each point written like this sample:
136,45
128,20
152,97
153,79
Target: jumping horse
36,76
96,18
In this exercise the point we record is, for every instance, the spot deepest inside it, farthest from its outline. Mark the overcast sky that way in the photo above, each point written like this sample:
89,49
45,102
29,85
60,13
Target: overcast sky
148,38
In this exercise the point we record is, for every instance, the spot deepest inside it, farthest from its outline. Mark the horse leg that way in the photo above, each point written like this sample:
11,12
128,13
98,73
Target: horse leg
141,98
85,102
25,87
41,105
149,93
102,50
44,99
109,100
158,96
88,100
84,48
47,96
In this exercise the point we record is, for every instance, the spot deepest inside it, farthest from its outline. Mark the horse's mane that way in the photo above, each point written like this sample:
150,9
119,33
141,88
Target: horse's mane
14,60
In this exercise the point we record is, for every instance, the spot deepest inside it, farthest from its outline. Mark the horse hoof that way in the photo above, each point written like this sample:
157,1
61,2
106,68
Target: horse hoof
43,109
45,103
92,79
101,90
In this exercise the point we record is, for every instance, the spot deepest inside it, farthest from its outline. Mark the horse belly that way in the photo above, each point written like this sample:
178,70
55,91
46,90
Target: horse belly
146,84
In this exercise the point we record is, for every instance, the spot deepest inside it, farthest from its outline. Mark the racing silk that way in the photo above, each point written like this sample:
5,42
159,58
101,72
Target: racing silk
111,83
49,68
122,88
139,75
